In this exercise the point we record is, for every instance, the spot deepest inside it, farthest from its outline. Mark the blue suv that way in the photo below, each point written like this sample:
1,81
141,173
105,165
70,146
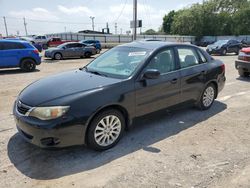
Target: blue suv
95,43
17,53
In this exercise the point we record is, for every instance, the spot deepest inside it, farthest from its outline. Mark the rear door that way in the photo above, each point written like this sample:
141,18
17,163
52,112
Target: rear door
80,49
233,46
193,72
10,54
156,94
70,50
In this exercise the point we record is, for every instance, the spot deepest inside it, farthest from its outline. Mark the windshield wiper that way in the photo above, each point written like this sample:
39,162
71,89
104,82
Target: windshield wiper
94,72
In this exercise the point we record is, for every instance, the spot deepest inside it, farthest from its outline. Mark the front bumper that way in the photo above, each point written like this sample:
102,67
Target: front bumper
242,65
213,51
46,134
47,54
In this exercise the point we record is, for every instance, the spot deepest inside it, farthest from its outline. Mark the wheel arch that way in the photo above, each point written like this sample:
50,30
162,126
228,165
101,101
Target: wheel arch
214,82
111,106
54,53
24,58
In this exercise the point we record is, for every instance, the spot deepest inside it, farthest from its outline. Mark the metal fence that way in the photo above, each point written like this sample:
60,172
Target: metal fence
107,38
216,38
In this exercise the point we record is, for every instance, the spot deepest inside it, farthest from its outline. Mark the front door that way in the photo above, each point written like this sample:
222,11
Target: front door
156,94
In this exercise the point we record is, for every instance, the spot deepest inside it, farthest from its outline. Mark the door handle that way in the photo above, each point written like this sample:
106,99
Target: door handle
203,72
174,81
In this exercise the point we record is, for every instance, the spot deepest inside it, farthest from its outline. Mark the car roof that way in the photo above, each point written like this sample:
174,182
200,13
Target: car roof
150,45
14,40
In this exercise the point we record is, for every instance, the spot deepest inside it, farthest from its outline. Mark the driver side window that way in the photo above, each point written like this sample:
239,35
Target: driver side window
163,61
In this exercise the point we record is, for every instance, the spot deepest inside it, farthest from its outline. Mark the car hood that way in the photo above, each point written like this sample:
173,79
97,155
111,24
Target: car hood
214,46
61,85
52,49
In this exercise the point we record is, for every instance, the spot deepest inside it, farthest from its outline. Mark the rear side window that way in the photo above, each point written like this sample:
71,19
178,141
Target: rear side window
12,46
1,46
188,57
73,45
203,58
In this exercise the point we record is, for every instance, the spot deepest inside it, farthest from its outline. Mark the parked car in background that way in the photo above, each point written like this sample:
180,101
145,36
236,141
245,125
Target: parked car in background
18,53
223,47
95,43
30,40
94,105
42,40
70,50
245,43
56,41
243,62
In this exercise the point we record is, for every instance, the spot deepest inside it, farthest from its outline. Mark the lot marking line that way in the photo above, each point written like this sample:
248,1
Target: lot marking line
227,97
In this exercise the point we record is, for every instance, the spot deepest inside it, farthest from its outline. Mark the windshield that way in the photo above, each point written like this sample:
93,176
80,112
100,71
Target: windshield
118,62
221,42
61,46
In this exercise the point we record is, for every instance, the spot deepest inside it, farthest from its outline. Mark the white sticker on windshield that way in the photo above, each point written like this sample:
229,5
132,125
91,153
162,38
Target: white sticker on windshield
136,53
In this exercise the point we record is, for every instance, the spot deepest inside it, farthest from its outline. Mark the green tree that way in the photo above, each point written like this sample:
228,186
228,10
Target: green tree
241,20
168,21
150,32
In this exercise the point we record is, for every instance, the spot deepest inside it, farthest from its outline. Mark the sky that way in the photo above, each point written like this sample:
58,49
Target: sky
53,16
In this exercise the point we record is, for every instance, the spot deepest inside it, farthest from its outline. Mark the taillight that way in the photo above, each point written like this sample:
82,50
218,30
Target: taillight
36,51
223,67
244,56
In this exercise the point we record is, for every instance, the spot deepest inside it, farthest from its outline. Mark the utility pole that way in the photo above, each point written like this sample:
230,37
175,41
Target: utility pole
5,24
134,18
25,26
121,31
93,24
116,28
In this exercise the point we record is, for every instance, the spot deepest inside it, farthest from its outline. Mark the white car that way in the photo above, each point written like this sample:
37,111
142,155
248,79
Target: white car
41,39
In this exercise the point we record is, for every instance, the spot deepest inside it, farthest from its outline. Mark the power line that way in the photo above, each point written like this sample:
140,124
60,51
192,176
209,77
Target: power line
121,12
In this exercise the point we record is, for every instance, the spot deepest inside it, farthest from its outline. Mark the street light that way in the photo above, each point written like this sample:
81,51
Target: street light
93,25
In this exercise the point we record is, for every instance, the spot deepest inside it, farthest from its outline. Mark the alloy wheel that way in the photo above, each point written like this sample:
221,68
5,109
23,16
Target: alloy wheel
107,130
208,96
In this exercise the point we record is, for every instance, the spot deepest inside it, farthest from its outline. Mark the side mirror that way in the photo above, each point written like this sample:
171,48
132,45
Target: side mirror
151,74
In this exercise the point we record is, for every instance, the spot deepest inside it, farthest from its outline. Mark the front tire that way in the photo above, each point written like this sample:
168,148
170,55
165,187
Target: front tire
207,97
58,56
28,65
106,130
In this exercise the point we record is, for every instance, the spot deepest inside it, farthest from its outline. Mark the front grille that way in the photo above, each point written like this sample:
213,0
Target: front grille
22,108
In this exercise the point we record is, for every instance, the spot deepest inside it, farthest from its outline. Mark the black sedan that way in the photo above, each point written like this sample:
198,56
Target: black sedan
223,47
94,105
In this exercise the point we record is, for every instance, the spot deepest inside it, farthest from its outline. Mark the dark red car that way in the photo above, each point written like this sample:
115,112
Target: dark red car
243,62
56,41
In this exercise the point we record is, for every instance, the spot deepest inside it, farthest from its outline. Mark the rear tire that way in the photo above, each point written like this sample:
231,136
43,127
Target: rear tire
105,130
87,54
207,98
45,46
242,73
28,65
237,51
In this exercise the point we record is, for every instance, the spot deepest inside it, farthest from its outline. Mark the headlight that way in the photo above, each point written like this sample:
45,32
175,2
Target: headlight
48,113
